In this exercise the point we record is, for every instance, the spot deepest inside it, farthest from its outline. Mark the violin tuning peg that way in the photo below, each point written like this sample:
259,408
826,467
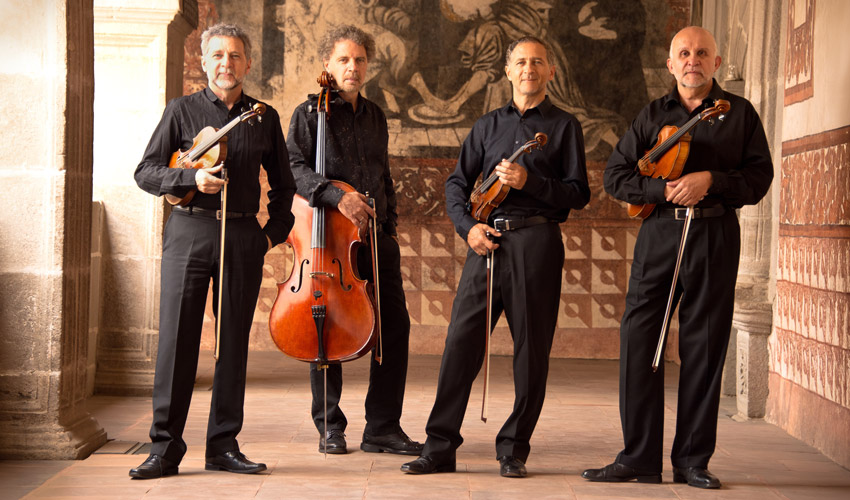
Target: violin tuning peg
721,117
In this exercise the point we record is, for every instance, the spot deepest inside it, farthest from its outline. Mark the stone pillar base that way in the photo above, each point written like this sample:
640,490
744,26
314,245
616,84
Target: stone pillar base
51,441
752,359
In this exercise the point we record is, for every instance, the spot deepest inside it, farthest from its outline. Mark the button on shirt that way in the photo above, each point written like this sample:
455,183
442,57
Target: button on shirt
355,153
557,175
248,147
734,150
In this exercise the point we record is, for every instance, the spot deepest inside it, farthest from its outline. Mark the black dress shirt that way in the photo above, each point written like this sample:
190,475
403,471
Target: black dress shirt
734,150
249,145
355,153
557,174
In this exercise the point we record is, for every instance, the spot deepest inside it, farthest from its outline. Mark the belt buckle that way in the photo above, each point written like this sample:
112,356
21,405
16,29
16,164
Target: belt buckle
218,215
502,225
683,212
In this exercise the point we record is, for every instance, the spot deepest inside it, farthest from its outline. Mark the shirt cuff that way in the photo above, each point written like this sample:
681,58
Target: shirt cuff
719,182
330,196
533,184
655,190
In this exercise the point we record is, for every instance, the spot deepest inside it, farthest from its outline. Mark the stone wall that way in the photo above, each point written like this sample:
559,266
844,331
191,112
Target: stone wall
45,171
810,345
138,66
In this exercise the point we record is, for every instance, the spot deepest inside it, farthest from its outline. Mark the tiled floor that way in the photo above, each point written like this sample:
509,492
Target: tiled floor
579,428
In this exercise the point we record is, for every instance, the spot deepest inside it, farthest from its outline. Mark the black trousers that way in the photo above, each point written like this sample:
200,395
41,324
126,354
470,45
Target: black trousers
190,257
527,287
705,293
385,396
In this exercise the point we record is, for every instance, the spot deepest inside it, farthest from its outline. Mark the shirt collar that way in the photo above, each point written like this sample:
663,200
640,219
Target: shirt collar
337,100
543,108
716,92
209,94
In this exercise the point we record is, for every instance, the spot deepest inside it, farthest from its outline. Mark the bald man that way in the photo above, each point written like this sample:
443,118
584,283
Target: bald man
729,166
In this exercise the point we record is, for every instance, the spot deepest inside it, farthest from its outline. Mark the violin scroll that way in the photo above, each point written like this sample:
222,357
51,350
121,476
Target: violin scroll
719,110
541,139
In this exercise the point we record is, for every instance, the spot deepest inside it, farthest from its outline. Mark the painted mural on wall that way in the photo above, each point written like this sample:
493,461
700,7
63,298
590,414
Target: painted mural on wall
440,63
439,66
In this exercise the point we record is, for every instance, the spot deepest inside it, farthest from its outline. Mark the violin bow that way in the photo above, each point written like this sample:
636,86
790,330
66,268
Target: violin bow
223,212
662,337
257,111
373,239
491,264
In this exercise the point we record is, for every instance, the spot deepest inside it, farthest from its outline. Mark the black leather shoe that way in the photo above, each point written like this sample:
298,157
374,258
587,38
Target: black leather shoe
397,443
512,467
427,465
336,443
155,466
698,477
234,461
618,473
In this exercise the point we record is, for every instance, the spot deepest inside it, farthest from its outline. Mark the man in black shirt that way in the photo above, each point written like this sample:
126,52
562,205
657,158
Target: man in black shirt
356,153
190,255
529,257
728,166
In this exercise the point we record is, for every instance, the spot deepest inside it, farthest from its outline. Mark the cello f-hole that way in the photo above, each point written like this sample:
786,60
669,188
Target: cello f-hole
341,282
300,276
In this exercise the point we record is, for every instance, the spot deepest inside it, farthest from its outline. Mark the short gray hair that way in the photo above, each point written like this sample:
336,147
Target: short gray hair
528,39
222,29
346,32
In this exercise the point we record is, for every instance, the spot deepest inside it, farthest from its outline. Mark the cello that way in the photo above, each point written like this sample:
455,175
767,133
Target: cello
324,313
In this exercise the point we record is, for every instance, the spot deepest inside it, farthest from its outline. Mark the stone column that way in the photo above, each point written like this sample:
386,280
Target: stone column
138,67
45,171
754,292
718,17
747,33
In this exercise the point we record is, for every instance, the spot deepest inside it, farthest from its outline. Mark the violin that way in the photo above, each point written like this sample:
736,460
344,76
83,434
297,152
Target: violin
667,158
492,191
209,149
324,313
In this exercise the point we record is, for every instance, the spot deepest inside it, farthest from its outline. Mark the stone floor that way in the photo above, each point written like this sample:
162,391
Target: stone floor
579,428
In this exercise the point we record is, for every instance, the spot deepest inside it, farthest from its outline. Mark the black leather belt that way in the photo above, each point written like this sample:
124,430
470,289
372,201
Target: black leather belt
208,212
502,224
699,212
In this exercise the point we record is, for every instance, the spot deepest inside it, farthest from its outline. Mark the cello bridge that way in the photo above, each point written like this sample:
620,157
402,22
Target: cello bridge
321,273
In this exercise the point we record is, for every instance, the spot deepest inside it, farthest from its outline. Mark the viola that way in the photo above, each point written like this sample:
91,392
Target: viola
492,191
209,149
324,313
667,158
